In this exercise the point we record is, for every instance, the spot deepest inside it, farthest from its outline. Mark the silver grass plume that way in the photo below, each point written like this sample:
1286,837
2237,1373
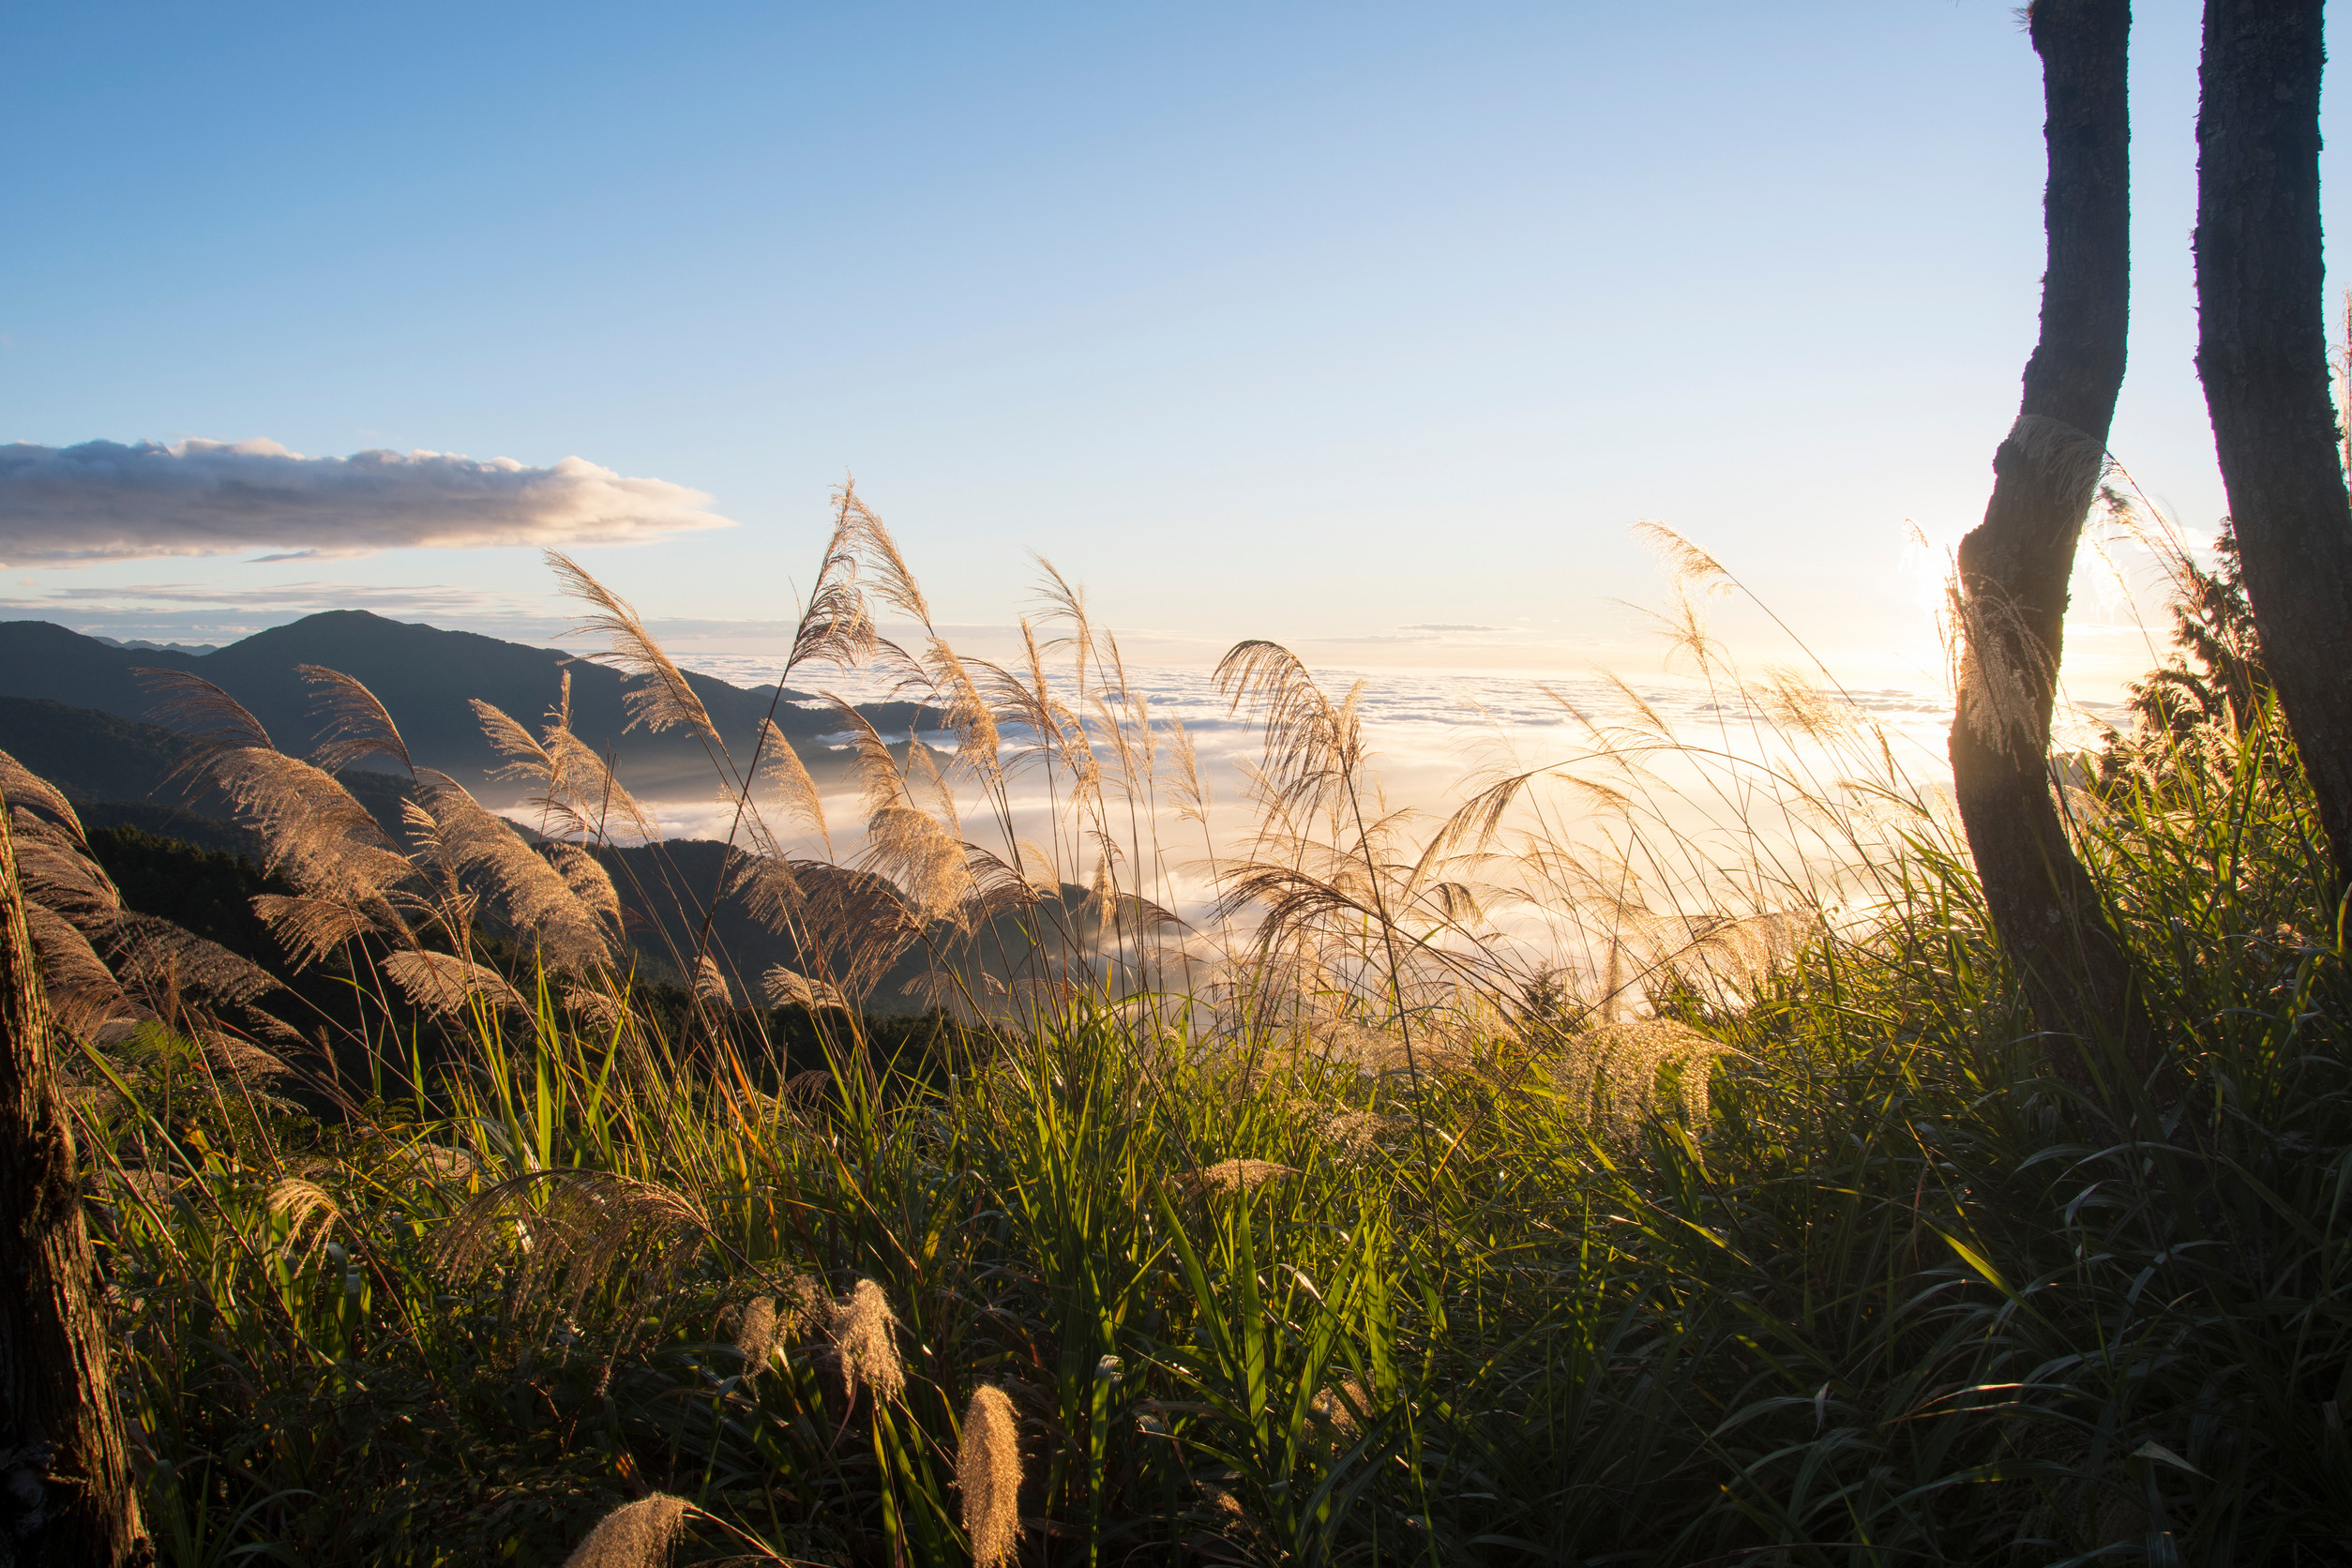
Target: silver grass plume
640,1535
310,928
770,887
787,989
876,772
358,726
858,923
22,787
913,849
575,793
595,797
55,868
1181,776
937,989
1235,1176
537,900
165,964
309,1212
755,1333
1793,703
989,1473
926,785
710,983
565,1233
444,984
1021,705
590,883
326,844
835,627
84,994
1343,1407
597,1005
997,885
440,1162
1646,718
860,530
783,772
863,1336
968,714
765,1324
1311,746
217,721
1611,1073
663,699
1688,566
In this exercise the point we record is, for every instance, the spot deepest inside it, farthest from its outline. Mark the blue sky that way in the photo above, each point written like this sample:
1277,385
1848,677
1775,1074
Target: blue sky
1323,323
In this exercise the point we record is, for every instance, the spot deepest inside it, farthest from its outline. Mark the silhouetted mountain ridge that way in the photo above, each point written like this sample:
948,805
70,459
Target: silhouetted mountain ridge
424,677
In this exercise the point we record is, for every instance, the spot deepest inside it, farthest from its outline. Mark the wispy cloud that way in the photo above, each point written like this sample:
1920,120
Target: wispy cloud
295,597
106,501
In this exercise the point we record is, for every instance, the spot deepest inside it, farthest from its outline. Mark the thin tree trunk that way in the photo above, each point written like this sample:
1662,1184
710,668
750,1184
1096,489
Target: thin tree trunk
67,1496
2262,351
2015,564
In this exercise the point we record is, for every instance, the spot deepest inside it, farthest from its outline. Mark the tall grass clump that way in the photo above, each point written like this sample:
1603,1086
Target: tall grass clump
1650,1162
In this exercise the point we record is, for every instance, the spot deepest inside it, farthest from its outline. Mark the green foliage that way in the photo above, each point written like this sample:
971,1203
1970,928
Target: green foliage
1901,1297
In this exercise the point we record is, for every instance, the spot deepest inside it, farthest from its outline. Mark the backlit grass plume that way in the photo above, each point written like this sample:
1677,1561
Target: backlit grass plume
865,1337
988,1474
662,698
640,1535
445,985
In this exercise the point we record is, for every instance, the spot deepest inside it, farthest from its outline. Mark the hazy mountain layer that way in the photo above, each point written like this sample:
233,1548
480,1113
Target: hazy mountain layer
424,677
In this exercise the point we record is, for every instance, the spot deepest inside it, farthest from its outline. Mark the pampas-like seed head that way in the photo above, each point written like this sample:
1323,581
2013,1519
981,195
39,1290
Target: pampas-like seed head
710,983
309,1211
1343,1407
1611,1073
20,786
989,1473
782,770
357,728
1236,1176
640,1535
663,699
864,1336
755,1336
543,905
787,988
444,983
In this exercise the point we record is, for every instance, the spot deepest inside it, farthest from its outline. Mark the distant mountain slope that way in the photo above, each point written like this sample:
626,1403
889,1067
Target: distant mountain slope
123,773
91,755
424,677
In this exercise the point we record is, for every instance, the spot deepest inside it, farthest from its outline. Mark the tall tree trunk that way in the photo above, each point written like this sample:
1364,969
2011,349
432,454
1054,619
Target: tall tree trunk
2014,566
67,1491
2262,350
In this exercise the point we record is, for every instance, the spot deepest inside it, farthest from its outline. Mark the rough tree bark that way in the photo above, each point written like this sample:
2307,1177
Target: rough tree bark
2262,351
67,1496
2014,567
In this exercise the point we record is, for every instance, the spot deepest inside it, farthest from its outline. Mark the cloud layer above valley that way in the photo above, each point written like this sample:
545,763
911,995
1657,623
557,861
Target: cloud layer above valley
106,501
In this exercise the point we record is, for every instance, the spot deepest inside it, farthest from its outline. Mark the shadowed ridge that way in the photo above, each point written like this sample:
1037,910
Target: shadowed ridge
424,677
